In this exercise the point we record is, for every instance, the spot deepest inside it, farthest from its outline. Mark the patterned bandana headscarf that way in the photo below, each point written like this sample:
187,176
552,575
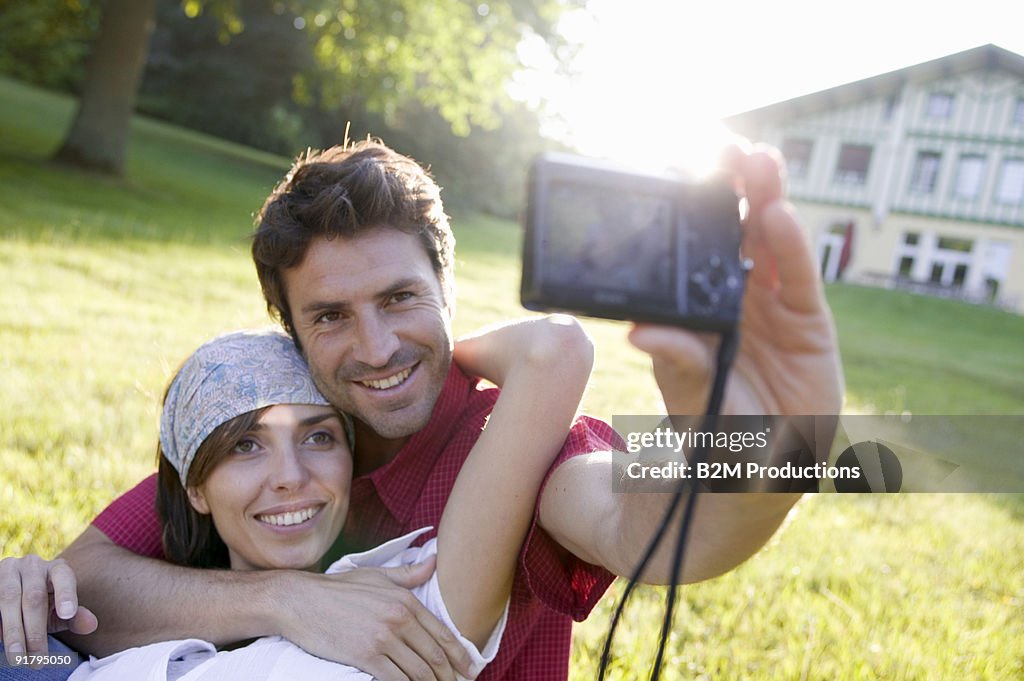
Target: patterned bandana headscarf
227,377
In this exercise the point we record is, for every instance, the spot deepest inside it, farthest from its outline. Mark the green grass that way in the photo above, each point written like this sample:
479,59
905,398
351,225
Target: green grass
864,587
108,284
905,352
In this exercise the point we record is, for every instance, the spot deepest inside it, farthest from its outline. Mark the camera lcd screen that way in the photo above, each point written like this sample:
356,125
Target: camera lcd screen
605,239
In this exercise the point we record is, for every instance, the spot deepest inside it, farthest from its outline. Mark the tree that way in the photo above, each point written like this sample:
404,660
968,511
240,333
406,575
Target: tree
453,56
44,42
99,133
251,72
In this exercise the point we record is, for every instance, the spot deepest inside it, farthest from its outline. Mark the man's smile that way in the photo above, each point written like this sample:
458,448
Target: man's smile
388,381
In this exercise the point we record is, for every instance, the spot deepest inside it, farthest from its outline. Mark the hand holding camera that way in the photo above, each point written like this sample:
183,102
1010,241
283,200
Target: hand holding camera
788,362
605,242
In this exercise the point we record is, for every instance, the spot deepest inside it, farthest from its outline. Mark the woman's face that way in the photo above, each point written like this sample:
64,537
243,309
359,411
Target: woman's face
279,498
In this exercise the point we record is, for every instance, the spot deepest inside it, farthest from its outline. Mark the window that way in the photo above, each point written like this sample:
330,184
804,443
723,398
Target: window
959,275
947,262
907,252
906,266
939,106
996,266
832,242
926,172
951,261
890,107
970,173
948,243
854,160
1011,182
798,155
1018,113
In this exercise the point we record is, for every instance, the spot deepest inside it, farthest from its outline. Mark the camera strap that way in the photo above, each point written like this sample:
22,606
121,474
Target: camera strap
727,348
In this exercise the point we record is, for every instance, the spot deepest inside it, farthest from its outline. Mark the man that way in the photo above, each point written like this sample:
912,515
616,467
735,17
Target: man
355,256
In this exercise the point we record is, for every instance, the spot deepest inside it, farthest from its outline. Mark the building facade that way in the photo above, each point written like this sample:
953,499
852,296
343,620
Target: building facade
914,178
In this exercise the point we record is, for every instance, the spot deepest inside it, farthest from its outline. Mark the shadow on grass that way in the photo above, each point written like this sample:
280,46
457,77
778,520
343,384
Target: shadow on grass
43,201
1012,504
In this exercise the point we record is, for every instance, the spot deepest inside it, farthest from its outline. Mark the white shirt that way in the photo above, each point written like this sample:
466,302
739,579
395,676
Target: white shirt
273,658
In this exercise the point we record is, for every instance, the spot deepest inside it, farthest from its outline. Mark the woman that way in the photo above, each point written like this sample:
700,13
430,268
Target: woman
255,473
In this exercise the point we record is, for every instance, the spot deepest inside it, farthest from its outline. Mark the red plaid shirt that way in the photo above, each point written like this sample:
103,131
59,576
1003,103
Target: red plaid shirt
551,586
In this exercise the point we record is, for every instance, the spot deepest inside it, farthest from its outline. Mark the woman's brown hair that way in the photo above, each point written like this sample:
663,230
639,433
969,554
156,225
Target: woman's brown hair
189,537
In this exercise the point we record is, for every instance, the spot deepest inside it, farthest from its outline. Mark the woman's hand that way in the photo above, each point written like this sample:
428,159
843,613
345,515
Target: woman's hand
39,597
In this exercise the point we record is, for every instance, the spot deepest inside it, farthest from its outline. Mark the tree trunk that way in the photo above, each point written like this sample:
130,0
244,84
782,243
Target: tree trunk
99,134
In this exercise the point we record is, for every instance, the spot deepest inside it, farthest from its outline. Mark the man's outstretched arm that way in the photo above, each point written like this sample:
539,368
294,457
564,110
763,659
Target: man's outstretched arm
788,364
362,618
581,513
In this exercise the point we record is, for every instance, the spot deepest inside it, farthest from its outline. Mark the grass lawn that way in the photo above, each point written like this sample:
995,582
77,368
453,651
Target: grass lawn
109,284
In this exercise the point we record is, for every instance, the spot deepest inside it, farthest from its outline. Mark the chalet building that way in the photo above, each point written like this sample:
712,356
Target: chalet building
913,178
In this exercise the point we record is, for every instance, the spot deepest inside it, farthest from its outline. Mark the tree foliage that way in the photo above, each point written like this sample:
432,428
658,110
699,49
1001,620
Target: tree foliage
287,75
452,56
238,86
429,76
45,41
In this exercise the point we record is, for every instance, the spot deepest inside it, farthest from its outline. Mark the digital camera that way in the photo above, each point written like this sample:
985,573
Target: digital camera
607,242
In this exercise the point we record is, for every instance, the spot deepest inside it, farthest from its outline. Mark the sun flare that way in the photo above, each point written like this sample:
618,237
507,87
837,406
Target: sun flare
652,79
644,93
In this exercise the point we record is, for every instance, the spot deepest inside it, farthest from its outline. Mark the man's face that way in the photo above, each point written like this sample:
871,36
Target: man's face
373,322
